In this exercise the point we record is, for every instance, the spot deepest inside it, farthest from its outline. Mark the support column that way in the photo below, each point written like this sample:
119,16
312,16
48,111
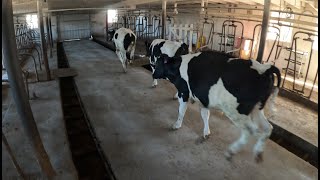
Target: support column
50,29
43,40
107,27
58,28
164,17
10,60
48,34
14,161
264,29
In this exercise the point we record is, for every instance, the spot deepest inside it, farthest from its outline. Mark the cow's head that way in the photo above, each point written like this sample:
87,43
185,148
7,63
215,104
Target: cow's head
167,67
111,34
148,50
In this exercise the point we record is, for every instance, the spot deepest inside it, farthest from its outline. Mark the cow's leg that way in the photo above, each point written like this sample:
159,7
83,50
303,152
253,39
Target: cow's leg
124,60
238,145
182,111
132,53
155,82
205,114
118,52
266,130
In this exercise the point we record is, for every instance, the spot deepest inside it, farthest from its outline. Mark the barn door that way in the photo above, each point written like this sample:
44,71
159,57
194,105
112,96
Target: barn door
74,26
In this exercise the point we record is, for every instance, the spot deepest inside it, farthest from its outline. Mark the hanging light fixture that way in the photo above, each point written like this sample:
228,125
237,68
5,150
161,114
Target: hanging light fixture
175,8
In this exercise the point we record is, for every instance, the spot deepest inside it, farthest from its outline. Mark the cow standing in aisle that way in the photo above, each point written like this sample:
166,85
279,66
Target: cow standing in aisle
125,41
160,47
240,88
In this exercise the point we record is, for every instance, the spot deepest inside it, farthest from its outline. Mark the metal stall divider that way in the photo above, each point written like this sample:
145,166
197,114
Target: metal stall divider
210,35
276,41
297,73
156,20
227,39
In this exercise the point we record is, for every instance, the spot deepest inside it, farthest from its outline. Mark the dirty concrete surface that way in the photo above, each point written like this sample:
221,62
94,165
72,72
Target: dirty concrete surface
47,113
132,122
290,115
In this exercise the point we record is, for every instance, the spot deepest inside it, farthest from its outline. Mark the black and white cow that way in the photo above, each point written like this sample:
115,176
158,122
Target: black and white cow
240,88
160,47
125,41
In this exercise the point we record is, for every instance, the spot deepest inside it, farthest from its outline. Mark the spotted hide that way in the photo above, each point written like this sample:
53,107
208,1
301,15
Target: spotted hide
240,88
160,47
125,41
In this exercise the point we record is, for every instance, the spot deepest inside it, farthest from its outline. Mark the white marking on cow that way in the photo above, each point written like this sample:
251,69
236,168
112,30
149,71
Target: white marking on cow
260,68
184,65
170,48
205,114
184,69
182,110
259,118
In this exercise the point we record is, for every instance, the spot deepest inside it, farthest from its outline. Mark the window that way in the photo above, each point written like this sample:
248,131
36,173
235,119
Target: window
285,32
112,16
32,20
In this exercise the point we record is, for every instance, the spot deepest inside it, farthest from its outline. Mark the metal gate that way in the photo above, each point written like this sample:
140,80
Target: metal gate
74,26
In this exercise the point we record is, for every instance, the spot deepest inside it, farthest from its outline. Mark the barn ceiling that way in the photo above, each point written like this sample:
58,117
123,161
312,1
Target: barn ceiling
31,5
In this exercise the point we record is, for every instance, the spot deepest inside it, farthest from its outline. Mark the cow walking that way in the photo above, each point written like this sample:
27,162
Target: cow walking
240,88
125,41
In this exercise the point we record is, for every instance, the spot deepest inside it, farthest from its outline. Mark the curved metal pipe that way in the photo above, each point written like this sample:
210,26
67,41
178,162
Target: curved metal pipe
34,62
37,53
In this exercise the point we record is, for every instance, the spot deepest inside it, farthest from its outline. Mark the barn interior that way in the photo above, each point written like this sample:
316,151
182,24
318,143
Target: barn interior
69,111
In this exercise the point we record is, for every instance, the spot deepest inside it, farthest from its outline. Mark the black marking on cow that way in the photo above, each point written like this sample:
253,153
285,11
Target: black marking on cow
207,70
182,50
156,52
243,82
128,39
116,36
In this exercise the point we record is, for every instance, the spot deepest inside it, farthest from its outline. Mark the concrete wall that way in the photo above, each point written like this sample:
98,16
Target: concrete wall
98,23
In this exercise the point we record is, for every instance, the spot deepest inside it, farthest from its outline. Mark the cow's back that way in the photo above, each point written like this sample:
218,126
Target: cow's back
215,81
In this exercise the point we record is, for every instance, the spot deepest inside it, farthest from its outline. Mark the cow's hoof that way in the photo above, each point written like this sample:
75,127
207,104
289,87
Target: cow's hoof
228,155
202,139
154,86
258,157
205,137
173,128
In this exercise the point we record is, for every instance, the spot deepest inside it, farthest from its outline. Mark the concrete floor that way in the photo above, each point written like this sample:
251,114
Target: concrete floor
132,123
291,115
47,113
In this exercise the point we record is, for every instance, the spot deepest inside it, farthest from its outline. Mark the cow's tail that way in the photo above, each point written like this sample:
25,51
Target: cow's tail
275,90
